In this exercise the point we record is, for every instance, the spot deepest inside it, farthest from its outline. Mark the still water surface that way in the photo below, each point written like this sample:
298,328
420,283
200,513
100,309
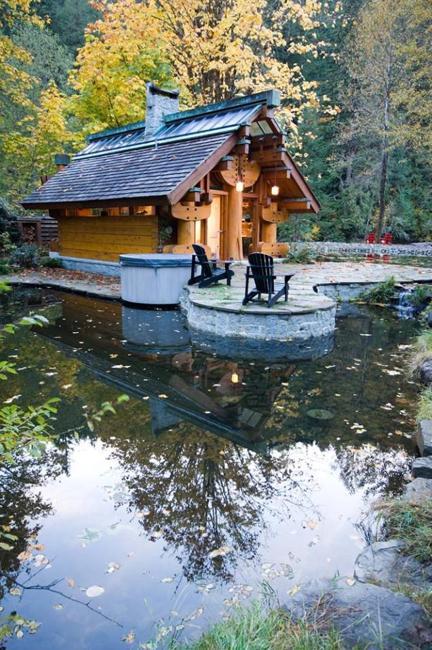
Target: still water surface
217,480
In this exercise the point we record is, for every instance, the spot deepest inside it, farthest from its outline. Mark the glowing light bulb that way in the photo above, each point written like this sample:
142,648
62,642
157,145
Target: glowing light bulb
235,378
275,190
239,186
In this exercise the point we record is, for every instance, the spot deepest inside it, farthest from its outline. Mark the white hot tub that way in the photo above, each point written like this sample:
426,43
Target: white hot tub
154,279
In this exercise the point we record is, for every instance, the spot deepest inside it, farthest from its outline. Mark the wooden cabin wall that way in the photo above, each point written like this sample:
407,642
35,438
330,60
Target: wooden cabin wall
105,238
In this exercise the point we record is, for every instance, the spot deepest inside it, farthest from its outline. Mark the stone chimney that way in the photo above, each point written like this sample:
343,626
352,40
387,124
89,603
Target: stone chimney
160,102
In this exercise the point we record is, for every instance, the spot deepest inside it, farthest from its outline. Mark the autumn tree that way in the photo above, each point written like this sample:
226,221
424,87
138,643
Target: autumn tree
211,50
376,70
40,134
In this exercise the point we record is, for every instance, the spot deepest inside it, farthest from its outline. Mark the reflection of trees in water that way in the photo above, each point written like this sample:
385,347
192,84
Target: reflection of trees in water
21,507
375,470
201,493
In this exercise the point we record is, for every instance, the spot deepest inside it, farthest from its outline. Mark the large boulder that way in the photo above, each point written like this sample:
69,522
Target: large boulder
417,491
422,467
385,564
425,372
424,437
366,615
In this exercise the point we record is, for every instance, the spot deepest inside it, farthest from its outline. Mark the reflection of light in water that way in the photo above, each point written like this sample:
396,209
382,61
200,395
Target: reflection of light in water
235,378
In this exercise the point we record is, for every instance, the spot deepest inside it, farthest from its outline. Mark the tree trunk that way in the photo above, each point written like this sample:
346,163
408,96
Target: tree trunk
382,189
384,165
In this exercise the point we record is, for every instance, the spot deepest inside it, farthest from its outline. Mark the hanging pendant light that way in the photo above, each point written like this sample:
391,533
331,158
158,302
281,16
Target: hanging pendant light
239,186
275,190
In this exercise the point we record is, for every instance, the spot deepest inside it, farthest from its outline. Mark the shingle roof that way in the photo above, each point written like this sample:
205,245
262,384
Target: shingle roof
153,171
123,163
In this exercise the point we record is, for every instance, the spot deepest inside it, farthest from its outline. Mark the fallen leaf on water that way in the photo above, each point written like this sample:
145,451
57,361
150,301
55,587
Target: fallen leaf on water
94,591
58,606
293,590
218,552
71,583
112,566
15,591
129,637
167,580
24,555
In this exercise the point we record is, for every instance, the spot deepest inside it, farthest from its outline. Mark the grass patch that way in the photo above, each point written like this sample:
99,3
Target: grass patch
412,524
260,628
422,351
425,405
421,596
382,294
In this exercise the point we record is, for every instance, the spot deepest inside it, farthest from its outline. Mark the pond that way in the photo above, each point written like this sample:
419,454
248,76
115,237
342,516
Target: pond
218,480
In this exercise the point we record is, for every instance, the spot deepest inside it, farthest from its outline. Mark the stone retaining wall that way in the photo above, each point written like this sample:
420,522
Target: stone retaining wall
278,327
360,248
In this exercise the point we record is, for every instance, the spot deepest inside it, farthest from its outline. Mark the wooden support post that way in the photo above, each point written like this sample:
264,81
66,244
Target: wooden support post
186,232
268,232
233,241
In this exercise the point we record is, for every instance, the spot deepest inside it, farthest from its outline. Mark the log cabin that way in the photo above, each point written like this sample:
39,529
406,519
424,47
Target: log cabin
218,174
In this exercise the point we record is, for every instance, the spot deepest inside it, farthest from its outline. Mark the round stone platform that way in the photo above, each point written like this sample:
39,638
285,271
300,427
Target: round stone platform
295,329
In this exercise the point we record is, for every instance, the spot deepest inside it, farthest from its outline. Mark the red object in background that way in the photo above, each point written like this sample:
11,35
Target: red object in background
387,238
370,239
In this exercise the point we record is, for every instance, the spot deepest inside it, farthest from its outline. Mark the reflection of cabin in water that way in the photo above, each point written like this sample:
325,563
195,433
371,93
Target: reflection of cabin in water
180,384
218,174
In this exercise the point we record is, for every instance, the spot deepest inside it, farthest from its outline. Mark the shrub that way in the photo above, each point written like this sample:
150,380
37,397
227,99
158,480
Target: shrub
382,294
421,295
26,256
51,262
302,256
4,267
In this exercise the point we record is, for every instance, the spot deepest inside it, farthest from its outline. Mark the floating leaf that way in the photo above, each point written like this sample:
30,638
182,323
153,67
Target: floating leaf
71,583
58,606
219,552
129,637
320,414
94,591
15,591
112,567
167,580
90,535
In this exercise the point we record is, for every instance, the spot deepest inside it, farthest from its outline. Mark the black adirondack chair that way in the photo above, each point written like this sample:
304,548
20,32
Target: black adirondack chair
210,273
261,271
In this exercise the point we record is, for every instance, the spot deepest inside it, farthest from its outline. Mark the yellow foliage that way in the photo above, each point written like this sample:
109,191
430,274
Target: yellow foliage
37,137
211,50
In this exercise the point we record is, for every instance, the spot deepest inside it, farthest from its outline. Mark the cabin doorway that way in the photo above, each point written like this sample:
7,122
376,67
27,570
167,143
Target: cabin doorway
214,227
250,235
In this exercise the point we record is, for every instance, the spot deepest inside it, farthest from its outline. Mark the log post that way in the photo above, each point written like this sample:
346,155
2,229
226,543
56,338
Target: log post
233,245
186,232
268,232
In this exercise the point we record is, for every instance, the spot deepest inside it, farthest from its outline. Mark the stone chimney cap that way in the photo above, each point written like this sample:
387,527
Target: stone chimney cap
61,159
166,92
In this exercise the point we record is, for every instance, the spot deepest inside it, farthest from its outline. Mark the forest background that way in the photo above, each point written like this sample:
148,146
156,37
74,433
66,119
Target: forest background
355,78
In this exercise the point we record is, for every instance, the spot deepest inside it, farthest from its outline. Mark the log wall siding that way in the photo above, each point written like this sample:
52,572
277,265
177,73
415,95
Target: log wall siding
105,238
